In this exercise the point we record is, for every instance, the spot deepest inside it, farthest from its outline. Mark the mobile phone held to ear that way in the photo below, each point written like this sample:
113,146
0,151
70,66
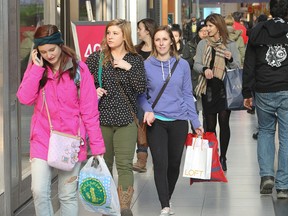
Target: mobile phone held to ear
38,54
38,59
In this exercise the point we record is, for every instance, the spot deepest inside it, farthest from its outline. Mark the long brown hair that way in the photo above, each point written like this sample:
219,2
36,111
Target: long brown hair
220,24
125,27
150,26
47,30
173,48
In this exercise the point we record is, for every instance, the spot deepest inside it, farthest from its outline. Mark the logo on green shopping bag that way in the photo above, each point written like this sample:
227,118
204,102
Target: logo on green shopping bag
93,191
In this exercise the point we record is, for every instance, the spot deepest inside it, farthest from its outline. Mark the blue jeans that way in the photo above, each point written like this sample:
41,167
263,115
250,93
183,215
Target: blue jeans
41,174
271,108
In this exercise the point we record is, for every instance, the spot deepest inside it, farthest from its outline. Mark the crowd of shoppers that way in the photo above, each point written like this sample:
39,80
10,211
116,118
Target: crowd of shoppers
127,82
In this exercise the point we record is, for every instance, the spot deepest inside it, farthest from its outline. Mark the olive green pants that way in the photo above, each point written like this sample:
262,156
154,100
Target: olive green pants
120,142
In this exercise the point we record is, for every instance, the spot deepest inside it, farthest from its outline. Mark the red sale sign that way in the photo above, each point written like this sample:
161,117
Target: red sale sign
87,37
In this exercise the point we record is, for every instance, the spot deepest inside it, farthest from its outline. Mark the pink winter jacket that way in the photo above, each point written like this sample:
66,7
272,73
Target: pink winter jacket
64,106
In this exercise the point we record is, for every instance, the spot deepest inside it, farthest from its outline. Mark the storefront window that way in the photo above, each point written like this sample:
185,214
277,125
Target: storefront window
86,10
31,16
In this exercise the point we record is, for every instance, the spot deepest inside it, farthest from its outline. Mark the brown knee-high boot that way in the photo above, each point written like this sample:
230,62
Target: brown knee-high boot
140,165
125,198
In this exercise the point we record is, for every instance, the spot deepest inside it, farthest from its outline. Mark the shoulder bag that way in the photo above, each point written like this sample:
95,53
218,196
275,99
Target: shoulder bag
233,87
63,148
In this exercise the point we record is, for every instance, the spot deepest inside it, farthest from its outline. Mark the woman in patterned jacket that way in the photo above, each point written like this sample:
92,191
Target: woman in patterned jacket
119,82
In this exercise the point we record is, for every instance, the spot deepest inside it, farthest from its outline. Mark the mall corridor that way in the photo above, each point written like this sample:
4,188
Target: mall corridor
240,196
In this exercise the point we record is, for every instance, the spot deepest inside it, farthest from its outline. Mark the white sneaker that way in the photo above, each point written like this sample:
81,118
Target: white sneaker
171,212
165,211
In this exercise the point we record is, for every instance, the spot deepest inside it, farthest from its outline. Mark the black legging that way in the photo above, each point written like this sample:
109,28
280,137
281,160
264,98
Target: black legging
223,119
166,141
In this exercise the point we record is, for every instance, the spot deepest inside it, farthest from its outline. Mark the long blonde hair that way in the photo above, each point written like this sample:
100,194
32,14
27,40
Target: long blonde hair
125,27
229,20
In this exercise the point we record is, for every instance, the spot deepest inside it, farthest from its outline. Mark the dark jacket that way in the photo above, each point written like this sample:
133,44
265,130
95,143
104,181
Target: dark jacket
188,53
266,63
188,34
180,51
122,87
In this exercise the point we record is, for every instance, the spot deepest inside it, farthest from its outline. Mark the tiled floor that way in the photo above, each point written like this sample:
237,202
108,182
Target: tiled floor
240,196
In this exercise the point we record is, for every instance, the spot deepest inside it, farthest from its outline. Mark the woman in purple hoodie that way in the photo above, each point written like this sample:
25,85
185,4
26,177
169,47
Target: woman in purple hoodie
167,121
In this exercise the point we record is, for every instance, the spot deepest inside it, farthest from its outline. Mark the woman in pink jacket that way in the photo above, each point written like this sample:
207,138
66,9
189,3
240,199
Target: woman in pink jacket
54,68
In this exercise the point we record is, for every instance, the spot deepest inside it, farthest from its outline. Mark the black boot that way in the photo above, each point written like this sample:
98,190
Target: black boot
223,163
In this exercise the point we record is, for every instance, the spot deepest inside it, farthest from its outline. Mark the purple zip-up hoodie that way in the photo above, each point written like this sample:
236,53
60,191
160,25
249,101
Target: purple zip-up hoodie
177,101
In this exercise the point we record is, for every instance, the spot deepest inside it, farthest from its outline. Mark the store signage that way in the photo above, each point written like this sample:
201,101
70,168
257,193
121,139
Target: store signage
87,37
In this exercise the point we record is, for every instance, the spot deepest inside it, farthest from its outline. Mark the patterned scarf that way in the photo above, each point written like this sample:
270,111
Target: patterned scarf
219,63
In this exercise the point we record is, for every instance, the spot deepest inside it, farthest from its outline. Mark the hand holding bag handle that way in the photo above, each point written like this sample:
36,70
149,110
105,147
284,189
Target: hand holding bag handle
198,161
97,189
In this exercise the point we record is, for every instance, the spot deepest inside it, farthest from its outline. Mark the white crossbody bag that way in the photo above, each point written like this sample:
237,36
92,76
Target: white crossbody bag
63,148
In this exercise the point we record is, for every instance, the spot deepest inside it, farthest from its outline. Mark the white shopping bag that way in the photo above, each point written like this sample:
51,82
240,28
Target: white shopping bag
198,160
97,189
199,142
